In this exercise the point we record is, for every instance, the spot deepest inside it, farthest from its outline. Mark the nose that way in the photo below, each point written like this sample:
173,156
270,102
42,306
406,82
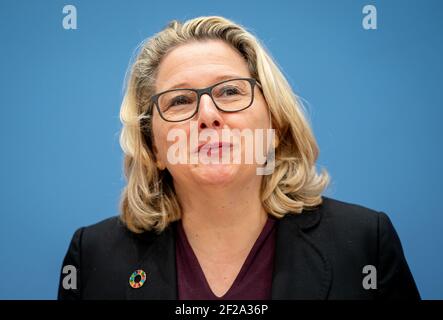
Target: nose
208,114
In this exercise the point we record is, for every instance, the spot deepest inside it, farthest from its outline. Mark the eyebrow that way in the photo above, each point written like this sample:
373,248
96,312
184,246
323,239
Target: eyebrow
185,85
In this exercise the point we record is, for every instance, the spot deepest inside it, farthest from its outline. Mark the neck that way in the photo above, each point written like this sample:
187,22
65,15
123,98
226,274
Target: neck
220,220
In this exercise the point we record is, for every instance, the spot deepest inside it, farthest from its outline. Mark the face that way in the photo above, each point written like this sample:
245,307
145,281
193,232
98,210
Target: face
199,65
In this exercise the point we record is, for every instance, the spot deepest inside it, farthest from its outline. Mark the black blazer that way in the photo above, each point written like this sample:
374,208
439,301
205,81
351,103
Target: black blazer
319,254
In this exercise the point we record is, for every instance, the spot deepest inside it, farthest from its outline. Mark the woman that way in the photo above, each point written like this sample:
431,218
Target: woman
212,229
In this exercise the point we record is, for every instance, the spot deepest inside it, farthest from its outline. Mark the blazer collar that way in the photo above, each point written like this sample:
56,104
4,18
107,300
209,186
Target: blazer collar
301,270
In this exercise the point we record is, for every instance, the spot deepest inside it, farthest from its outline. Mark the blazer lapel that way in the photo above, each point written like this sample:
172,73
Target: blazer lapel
157,259
301,270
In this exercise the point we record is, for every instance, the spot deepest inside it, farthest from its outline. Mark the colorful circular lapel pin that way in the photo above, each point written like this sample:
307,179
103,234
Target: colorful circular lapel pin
137,279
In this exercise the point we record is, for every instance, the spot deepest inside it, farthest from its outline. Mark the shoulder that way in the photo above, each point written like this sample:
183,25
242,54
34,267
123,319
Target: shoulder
102,251
338,225
99,243
337,210
111,224
356,219
355,235
350,230
106,230
340,216
110,236
101,235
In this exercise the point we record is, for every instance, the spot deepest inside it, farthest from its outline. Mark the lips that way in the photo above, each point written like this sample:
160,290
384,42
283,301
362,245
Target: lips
213,146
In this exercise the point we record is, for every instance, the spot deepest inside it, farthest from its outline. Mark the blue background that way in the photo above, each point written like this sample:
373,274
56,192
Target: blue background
374,98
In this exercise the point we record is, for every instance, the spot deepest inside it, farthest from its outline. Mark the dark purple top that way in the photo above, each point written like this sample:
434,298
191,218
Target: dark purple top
253,282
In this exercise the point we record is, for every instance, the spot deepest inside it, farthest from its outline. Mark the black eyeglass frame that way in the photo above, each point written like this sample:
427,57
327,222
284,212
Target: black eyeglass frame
200,92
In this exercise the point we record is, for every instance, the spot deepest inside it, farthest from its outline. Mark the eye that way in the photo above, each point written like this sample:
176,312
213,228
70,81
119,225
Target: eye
179,100
229,91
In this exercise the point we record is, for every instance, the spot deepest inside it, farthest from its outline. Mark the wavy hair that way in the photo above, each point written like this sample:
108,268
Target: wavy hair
148,201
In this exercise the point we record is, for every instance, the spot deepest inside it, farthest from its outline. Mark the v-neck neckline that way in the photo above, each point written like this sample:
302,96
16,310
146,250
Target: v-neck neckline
243,269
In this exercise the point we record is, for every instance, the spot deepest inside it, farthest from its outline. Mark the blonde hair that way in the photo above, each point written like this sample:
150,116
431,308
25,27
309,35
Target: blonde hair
148,201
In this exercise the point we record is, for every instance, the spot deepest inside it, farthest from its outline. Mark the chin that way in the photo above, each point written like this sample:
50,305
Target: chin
216,174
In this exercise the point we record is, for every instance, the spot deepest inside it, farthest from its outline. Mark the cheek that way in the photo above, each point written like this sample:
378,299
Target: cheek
160,131
255,117
258,116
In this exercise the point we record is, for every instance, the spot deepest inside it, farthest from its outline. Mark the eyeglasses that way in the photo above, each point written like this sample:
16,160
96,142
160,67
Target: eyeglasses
231,95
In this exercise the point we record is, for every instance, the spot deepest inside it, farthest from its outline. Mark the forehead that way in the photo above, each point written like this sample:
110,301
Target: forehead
199,64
